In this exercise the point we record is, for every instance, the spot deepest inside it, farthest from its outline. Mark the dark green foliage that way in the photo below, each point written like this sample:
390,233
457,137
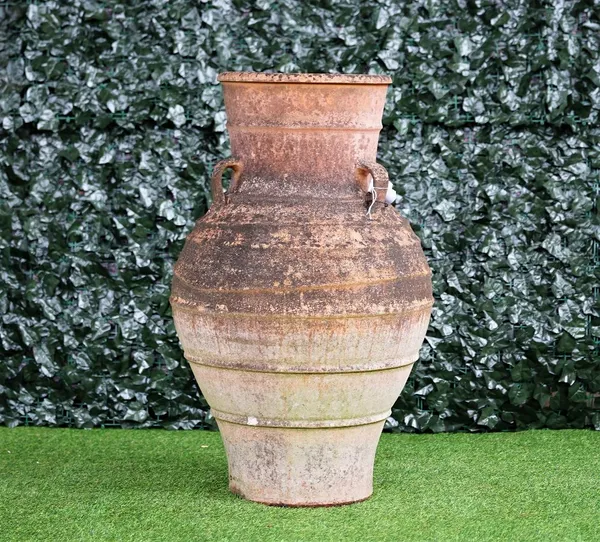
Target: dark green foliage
112,119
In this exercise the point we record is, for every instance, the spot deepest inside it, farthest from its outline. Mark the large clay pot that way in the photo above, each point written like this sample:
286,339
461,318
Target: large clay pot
300,313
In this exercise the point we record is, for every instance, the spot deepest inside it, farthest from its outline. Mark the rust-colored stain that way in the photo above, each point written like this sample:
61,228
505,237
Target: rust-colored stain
300,315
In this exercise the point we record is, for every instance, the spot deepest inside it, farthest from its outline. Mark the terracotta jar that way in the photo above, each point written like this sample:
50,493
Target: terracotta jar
300,312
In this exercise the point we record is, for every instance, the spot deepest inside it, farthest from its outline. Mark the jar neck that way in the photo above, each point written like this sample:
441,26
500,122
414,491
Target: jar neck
302,139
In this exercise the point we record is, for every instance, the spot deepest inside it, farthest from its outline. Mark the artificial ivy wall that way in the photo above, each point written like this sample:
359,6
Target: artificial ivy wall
111,120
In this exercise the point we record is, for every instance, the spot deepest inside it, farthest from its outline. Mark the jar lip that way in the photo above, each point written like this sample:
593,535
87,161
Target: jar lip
321,78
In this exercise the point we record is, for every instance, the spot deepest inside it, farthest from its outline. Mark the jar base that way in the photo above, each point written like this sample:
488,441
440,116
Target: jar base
301,467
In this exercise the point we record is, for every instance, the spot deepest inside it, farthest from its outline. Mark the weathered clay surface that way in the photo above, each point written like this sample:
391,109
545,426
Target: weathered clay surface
301,316
301,467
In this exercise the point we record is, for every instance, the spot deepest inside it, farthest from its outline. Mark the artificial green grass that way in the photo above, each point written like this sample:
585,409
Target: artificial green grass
145,485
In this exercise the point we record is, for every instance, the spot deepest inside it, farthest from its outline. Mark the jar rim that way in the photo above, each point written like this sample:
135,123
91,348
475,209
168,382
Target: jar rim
319,78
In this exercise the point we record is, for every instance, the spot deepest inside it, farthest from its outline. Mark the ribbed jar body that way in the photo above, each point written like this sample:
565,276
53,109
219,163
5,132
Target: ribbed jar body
300,315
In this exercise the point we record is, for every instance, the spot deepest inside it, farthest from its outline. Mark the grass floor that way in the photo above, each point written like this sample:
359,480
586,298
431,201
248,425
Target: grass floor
62,484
